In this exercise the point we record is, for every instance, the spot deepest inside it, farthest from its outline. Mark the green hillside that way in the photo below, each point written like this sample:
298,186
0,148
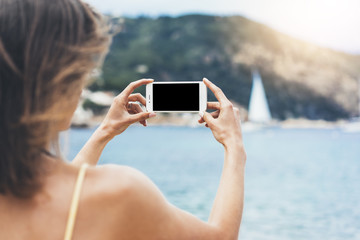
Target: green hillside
300,79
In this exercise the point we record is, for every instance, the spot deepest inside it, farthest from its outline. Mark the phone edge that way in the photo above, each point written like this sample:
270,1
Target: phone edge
203,97
149,101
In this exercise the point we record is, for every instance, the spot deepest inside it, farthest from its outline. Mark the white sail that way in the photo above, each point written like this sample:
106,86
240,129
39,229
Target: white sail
258,107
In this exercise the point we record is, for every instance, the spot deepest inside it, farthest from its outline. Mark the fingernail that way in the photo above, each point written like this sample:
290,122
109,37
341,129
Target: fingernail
152,115
206,79
201,114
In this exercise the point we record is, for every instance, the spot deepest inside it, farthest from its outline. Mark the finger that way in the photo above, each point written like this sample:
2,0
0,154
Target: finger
129,106
208,118
133,85
135,106
132,111
141,116
213,105
138,109
213,114
220,96
137,97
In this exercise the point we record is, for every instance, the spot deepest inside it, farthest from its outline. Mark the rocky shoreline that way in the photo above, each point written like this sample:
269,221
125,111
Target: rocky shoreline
93,107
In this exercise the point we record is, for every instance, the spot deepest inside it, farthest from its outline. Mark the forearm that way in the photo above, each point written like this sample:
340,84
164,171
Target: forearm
93,148
228,205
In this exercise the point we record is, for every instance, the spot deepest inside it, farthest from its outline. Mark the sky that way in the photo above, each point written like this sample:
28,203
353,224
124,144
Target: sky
329,23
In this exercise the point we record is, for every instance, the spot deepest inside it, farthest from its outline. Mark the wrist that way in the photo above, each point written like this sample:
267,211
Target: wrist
103,134
233,143
236,147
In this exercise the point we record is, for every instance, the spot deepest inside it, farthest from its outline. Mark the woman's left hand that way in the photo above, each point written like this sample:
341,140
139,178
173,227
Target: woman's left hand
125,110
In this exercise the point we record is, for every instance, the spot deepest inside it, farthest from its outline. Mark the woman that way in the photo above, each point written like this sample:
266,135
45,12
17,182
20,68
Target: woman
47,52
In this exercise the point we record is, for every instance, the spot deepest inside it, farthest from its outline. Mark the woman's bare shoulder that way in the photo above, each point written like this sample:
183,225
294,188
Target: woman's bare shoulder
138,202
109,200
131,206
120,185
111,181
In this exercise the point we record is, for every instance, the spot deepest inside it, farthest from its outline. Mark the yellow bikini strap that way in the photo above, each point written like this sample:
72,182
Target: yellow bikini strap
75,202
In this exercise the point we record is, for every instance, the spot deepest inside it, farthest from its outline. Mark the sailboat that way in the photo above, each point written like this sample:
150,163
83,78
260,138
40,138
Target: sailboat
259,111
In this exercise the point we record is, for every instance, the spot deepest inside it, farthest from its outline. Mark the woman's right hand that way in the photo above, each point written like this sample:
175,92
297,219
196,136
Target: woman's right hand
124,110
225,121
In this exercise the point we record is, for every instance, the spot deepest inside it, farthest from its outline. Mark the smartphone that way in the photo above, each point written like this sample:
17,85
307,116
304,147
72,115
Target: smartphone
176,97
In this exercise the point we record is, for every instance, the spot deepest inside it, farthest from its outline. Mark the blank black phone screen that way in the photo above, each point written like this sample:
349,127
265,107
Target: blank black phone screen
176,97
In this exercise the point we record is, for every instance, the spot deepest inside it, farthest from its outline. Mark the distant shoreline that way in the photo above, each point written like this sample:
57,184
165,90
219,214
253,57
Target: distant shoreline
191,120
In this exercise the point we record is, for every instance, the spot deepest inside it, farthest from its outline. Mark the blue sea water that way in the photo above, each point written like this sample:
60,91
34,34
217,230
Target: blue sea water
299,184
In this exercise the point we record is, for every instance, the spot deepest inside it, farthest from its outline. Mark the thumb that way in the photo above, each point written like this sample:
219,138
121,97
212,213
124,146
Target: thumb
208,118
141,116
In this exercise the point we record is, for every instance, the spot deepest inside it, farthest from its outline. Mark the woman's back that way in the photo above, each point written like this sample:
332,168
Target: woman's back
45,215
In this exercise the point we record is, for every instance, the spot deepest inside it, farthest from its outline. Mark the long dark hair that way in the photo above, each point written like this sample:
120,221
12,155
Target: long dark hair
47,50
